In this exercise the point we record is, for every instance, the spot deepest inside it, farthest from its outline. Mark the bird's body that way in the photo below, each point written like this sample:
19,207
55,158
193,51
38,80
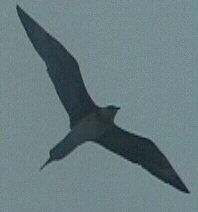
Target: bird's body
88,121
90,128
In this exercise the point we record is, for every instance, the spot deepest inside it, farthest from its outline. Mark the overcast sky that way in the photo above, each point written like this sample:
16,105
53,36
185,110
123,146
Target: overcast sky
139,55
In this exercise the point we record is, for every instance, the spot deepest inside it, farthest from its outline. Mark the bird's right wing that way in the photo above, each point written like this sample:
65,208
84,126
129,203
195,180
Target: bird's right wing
143,152
62,68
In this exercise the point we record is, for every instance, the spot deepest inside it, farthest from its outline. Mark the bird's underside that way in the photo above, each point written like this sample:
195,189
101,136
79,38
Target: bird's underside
85,115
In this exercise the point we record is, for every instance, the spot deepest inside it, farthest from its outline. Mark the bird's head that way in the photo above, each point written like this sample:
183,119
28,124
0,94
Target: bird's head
109,112
56,153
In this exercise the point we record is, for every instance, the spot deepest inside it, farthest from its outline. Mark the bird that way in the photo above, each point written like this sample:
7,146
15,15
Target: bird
88,121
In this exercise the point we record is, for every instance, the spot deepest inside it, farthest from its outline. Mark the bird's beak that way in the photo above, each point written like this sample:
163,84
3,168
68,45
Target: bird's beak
118,108
45,164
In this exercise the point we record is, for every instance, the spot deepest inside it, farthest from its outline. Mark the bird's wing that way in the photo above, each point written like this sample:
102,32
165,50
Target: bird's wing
62,68
143,152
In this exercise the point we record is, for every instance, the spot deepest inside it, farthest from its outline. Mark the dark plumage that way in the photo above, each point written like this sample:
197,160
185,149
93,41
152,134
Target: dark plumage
87,120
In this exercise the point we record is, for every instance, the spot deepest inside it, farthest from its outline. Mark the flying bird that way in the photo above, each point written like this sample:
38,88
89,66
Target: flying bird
89,122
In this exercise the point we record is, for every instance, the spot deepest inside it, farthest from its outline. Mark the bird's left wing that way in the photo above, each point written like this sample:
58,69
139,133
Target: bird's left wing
62,68
143,152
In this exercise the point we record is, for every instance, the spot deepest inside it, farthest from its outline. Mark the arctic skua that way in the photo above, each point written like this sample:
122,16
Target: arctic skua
88,121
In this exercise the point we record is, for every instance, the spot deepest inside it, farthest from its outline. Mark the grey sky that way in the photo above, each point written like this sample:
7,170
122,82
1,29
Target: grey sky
141,56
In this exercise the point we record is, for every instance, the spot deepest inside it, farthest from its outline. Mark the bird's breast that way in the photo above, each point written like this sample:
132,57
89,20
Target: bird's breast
89,128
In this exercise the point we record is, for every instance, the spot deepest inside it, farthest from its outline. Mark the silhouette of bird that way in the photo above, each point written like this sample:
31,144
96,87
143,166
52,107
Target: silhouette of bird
89,122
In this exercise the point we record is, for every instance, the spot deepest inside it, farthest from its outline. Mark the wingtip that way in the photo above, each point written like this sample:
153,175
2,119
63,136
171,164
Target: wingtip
20,11
22,14
185,190
18,8
178,183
